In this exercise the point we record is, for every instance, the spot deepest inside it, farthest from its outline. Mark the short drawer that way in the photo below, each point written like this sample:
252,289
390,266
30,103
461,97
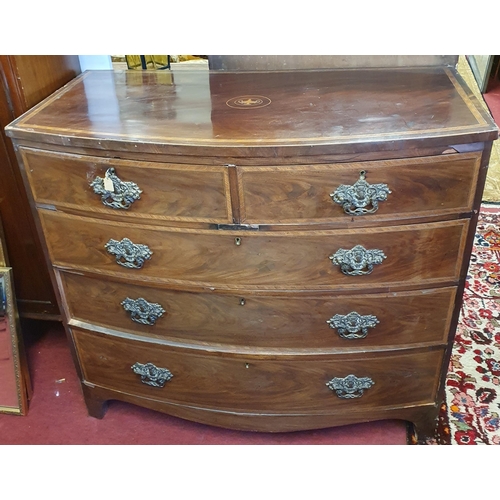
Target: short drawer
291,321
241,382
419,254
168,191
419,187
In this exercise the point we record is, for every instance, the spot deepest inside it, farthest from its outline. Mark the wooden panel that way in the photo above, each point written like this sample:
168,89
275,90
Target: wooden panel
31,276
420,186
40,75
252,383
420,254
289,62
284,322
18,91
169,191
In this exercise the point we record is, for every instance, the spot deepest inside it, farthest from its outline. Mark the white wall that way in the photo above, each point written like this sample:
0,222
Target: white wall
95,62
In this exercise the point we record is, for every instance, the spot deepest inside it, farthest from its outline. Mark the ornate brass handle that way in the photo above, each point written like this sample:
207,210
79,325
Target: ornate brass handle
350,387
358,260
142,311
114,192
356,199
152,375
128,254
350,325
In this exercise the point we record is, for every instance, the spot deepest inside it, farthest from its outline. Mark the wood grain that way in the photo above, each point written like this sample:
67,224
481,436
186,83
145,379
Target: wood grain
24,81
302,62
169,191
245,326
367,110
283,322
419,187
420,254
32,78
254,384
421,415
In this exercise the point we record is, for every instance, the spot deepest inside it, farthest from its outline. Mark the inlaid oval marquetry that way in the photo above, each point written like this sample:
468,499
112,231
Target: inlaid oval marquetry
248,101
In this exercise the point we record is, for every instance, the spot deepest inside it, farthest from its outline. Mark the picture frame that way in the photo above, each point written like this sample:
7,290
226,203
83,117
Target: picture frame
15,383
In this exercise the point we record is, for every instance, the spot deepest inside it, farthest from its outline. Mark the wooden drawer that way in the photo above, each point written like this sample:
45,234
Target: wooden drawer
266,321
420,187
419,254
242,382
169,191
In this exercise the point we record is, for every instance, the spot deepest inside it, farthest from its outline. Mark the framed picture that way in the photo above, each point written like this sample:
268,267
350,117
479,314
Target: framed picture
15,384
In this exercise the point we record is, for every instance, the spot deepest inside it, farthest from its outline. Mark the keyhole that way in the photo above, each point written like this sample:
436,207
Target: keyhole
242,302
237,241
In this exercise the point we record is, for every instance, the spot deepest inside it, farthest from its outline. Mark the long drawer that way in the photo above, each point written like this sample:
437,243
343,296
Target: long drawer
284,322
168,191
419,187
420,254
251,383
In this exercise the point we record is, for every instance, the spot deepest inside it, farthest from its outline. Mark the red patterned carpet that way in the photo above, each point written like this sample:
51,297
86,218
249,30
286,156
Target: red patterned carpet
471,415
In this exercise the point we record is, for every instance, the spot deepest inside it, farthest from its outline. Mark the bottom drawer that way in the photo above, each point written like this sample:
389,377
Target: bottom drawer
240,382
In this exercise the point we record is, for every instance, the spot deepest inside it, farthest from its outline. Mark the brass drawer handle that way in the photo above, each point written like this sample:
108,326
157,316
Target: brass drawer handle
142,311
152,375
358,260
350,325
357,199
350,387
128,254
114,192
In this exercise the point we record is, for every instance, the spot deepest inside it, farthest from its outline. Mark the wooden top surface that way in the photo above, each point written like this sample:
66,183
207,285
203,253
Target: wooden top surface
107,109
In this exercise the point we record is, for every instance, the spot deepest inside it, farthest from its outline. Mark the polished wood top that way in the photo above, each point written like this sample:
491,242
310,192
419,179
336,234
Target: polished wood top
210,110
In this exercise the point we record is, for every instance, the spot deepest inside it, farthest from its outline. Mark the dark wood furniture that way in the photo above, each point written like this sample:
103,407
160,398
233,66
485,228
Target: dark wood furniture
210,264
24,82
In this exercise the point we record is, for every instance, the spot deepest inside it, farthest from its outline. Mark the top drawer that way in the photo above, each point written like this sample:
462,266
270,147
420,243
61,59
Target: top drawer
169,191
419,187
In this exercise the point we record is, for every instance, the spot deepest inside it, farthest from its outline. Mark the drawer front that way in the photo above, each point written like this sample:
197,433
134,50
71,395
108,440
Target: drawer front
418,187
169,191
417,254
284,322
249,383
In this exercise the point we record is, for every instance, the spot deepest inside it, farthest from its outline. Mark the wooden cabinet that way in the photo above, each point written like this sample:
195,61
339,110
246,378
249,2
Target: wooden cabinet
24,82
268,251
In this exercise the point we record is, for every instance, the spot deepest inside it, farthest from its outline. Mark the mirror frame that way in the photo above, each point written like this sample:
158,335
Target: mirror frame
481,69
20,365
22,380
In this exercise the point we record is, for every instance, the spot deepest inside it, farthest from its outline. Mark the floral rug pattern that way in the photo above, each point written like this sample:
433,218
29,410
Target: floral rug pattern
471,413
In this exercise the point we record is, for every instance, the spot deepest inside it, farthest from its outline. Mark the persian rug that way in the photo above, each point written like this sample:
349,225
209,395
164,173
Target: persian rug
471,412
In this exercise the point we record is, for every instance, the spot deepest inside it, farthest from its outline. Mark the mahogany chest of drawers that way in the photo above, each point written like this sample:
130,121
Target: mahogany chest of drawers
267,251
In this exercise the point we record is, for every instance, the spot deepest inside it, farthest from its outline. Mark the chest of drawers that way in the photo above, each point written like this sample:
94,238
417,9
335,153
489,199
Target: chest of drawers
266,251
